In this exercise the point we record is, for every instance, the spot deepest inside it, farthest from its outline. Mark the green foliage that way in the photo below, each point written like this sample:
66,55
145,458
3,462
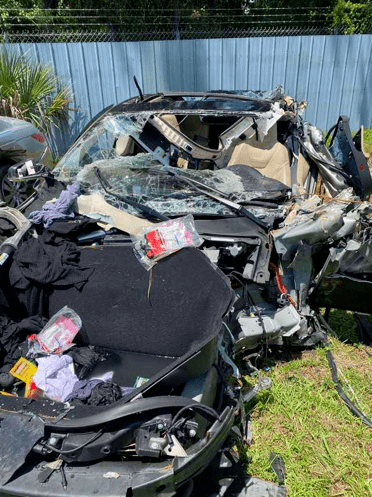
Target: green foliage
22,11
352,17
345,325
154,19
367,141
29,90
325,448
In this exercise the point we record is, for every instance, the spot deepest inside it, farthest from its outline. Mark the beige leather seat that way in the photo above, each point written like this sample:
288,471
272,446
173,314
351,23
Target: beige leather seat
124,146
171,119
269,157
195,129
191,126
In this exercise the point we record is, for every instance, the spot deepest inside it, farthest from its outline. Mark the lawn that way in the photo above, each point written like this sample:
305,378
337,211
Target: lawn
327,451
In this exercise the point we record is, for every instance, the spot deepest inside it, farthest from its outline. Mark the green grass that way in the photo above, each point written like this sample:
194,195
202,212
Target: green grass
326,450
367,141
345,324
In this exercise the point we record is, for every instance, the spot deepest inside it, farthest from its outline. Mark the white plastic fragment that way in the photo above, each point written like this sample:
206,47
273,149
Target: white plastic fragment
111,475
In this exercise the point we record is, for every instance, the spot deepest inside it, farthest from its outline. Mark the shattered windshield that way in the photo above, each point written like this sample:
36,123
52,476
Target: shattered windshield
112,145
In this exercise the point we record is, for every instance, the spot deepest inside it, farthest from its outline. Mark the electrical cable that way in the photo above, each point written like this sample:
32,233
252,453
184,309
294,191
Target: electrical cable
342,394
255,309
333,367
325,324
203,408
70,451
246,294
282,289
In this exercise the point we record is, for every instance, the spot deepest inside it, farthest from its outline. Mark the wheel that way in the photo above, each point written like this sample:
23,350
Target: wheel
13,194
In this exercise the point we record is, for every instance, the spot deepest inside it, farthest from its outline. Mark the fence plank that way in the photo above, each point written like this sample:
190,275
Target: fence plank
333,73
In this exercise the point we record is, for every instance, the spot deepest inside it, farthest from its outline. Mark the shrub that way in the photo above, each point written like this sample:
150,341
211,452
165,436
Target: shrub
31,91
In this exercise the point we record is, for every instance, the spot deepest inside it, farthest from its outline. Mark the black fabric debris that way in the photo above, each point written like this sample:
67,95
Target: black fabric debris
43,263
18,434
102,394
13,338
85,358
48,260
188,296
71,228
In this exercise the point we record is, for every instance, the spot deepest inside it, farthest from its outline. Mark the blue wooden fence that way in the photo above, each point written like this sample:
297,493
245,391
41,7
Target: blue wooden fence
333,73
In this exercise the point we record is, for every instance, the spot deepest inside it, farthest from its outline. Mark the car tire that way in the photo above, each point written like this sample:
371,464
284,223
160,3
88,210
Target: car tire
13,194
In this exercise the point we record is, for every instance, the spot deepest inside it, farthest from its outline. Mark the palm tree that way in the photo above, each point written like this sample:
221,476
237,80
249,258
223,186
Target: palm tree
30,90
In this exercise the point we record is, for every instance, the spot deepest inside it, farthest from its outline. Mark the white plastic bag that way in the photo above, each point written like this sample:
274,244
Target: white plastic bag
159,241
57,335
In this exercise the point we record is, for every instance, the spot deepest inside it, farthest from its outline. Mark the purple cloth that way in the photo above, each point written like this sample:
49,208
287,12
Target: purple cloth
62,209
55,377
82,389
126,390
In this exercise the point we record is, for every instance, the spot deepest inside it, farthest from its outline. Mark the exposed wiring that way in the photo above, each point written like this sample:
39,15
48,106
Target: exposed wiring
70,451
342,394
336,381
230,332
282,289
325,324
199,407
246,295
253,308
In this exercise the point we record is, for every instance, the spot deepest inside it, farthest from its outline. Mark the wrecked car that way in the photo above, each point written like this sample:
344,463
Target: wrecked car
180,232
19,141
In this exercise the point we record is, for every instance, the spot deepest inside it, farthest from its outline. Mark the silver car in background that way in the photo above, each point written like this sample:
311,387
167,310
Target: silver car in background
19,141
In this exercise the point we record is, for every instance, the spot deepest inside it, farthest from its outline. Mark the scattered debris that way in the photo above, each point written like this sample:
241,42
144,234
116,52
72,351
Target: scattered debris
111,474
247,222
277,464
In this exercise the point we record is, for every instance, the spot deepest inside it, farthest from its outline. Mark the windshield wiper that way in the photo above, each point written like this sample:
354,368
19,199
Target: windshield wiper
219,198
143,208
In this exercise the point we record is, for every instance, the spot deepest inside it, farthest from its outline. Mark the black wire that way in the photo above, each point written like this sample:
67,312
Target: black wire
329,133
138,88
223,386
326,325
342,394
59,451
333,367
251,303
237,276
205,410
245,296
219,372
265,340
